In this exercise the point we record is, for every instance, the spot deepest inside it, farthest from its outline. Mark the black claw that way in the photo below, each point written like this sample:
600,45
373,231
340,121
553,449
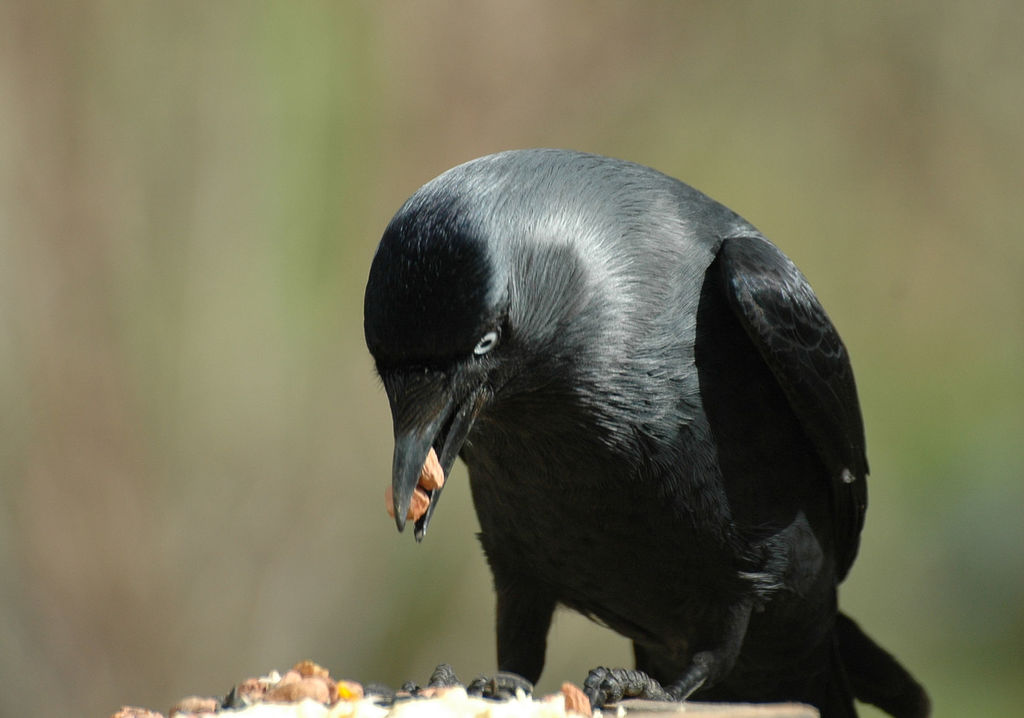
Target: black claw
443,677
500,686
605,686
410,687
592,687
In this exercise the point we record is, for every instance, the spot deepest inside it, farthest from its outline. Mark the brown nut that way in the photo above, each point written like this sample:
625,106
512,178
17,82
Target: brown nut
136,712
431,475
250,691
431,478
295,691
575,700
440,691
308,668
195,704
417,507
291,676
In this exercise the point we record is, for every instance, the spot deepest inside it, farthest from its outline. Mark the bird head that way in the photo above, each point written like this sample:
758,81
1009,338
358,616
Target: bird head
473,296
498,308
435,320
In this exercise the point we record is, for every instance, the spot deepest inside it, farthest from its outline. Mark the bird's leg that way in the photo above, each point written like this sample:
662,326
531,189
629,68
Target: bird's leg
523,619
708,666
604,686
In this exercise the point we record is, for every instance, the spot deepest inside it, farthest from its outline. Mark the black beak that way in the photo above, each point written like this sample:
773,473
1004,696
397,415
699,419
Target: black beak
426,415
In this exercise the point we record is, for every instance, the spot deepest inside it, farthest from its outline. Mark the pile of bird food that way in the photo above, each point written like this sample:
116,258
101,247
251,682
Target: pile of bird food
309,691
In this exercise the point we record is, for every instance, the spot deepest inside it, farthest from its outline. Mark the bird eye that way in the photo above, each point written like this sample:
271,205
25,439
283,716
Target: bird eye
487,342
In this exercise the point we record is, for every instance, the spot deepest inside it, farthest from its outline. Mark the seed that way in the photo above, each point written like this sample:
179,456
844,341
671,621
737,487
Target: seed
417,507
295,691
432,475
195,704
575,700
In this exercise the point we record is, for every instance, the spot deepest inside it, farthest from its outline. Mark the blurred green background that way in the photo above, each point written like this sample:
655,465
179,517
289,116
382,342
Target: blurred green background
193,446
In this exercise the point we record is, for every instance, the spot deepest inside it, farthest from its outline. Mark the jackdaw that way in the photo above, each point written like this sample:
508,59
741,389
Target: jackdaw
659,420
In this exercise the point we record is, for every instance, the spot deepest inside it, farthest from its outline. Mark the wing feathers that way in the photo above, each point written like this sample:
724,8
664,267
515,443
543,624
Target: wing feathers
798,342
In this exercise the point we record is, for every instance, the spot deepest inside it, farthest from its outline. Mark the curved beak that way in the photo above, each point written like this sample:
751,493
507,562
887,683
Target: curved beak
426,415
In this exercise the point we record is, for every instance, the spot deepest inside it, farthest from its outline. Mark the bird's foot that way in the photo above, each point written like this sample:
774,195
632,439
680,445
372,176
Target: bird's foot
605,686
501,686
443,677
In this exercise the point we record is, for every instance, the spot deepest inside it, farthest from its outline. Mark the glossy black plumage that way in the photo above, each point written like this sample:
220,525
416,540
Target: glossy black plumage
665,437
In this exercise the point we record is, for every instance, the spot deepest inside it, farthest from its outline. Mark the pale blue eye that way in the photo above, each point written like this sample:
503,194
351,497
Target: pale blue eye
487,342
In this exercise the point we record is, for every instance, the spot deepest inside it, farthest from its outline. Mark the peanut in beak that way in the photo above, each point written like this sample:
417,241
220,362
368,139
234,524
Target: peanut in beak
431,478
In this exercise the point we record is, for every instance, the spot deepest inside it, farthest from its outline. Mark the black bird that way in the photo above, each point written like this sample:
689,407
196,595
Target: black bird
659,419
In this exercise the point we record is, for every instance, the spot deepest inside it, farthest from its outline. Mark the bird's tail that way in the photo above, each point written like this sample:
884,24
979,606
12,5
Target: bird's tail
876,677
